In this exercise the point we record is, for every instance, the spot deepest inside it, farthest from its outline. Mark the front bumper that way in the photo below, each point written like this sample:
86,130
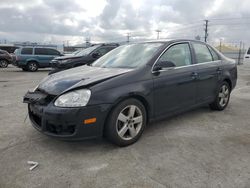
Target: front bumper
68,123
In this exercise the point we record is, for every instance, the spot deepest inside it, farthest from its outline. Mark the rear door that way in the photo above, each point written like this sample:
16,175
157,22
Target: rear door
42,56
175,88
45,55
208,69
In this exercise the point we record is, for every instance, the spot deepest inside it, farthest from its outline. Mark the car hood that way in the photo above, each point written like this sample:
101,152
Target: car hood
68,57
60,82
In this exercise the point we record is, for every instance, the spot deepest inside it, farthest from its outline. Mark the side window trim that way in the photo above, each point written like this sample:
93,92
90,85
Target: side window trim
168,47
195,57
211,48
32,51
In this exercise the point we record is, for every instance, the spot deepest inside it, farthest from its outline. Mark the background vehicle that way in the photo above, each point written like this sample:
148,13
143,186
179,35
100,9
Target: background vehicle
131,85
32,58
247,56
5,59
86,56
10,48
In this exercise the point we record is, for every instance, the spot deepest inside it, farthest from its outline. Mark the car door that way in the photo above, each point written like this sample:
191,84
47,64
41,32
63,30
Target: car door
208,69
42,56
52,53
174,87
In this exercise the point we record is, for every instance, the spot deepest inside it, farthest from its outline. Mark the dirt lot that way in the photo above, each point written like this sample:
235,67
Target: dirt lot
202,148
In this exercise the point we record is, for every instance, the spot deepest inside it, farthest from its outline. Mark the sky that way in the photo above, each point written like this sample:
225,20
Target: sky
72,21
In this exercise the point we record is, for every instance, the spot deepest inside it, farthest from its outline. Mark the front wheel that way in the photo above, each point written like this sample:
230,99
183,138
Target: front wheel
3,63
126,122
222,98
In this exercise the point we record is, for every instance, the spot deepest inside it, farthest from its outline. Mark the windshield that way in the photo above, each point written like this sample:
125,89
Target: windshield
128,56
87,51
76,52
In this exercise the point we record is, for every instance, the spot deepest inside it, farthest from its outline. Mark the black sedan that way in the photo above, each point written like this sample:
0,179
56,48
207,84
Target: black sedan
85,56
130,86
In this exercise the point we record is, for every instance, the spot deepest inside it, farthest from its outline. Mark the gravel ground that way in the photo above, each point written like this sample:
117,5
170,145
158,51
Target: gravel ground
201,148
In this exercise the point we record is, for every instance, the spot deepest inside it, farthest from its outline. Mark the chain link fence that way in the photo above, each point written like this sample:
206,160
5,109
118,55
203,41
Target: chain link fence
233,50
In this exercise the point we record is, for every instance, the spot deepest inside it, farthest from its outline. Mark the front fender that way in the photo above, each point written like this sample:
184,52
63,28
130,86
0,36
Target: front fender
142,90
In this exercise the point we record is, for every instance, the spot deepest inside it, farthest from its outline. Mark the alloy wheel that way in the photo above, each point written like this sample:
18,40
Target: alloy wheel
3,64
32,66
223,95
129,122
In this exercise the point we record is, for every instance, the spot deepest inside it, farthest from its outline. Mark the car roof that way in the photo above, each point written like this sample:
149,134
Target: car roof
37,47
168,41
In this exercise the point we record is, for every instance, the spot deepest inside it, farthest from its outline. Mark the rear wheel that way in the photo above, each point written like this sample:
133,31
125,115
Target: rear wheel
126,122
32,66
222,98
3,63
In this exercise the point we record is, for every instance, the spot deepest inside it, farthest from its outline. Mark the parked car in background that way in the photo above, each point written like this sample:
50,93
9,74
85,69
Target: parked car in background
32,58
85,56
5,59
247,56
72,53
10,48
130,86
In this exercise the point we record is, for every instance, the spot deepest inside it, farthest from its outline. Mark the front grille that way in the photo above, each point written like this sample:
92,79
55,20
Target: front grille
60,129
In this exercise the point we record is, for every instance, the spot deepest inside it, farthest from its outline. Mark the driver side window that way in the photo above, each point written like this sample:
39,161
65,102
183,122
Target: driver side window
178,54
102,51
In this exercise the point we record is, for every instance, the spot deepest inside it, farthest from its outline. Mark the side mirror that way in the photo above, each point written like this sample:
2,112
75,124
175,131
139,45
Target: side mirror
95,55
157,68
163,65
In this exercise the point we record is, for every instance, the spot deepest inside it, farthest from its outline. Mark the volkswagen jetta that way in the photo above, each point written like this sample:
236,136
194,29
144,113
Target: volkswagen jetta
133,84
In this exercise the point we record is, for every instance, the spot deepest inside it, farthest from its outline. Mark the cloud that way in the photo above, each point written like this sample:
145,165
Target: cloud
110,20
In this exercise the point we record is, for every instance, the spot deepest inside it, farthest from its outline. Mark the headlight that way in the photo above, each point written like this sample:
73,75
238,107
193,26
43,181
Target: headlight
64,61
74,98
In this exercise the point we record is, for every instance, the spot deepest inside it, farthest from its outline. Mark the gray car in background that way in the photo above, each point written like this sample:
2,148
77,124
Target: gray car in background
5,59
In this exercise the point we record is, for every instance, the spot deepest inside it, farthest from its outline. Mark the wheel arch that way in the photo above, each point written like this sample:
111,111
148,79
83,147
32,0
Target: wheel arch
229,82
32,60
138,97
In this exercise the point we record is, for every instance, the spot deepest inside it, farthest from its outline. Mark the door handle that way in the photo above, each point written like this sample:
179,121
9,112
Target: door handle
219,70
194,75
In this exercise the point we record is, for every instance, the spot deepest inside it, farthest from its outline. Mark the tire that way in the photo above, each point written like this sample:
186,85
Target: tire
123,128
32,66
3,63
222,97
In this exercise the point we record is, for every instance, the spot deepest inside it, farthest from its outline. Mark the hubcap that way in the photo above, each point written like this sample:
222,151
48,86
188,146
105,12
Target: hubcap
3,63
223,95
32,66
129,122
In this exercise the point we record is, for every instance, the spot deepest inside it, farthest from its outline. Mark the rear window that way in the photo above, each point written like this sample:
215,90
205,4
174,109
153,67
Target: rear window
26,51
202,53
41,51
214,54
